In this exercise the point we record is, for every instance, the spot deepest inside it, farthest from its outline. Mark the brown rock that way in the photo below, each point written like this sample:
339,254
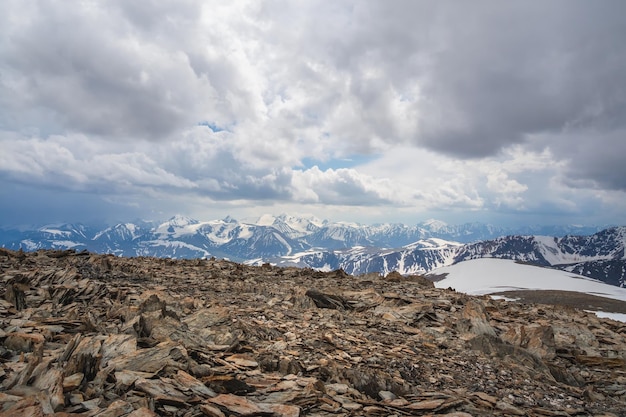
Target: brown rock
154,359
125,379
211,411
143,412
70,383
237,405
601,361
31,411
116,345
509,409
162,391
475,319
191,386
486,397
242,360
85,358
282,410
426,404
23,342
52,383
117,408
537,339
6,400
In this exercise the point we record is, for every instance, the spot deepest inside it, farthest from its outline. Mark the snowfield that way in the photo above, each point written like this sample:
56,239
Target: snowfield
489,275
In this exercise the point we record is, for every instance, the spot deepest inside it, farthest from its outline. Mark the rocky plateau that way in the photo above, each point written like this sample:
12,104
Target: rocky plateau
98,335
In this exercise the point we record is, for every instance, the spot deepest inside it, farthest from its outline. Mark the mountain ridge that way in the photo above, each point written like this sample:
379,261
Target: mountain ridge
309,242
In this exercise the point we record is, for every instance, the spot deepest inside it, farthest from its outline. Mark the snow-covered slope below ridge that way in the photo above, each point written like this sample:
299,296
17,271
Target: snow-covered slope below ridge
490,276
600,255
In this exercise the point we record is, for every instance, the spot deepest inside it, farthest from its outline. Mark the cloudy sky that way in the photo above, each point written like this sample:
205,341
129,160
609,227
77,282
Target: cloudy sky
356,110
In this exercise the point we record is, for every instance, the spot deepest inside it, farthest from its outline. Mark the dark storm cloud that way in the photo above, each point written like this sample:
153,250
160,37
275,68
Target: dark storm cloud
518,72
28,205
596,159
491,73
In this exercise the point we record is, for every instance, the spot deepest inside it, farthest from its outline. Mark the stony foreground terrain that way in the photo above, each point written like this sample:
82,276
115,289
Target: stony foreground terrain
96,335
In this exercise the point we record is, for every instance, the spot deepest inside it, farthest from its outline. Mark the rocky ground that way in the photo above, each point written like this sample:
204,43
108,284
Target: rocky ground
567,298
96,335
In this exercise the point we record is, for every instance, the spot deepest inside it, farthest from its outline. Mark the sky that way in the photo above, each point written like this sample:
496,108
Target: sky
370,111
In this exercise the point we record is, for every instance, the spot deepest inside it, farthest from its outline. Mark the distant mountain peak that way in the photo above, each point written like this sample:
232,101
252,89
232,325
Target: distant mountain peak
265,220
181,220
434,224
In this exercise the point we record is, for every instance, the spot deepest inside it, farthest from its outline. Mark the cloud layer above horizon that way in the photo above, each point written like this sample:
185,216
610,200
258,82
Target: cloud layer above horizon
354,110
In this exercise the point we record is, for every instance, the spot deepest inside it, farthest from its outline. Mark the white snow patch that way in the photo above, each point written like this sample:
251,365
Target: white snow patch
29,244
487,276
550,250
501,297
102,232
434,224
299,255
246,232
284,242
64,243
131,228
254,262
325,268
265,220
56,232
432,243
217,231
181,226
613,316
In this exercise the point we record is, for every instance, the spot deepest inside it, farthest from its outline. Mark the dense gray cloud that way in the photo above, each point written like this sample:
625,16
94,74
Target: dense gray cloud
487,74
596,158
520,70
88,69
488,106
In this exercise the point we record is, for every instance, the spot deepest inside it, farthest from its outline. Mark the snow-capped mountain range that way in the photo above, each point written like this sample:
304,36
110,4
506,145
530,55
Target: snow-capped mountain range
358,249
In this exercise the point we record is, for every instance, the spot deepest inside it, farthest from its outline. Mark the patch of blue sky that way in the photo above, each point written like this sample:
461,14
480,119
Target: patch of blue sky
213,126
350,161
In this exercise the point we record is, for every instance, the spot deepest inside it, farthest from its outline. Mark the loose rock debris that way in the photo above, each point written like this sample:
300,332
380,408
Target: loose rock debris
95,335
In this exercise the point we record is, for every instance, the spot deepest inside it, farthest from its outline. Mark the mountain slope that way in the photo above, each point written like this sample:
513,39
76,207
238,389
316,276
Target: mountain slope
417,258
488,276
600,255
